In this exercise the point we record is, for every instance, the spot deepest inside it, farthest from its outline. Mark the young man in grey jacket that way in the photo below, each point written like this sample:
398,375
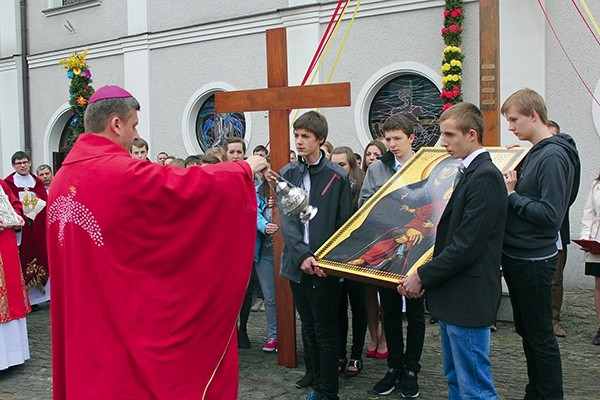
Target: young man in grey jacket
403,363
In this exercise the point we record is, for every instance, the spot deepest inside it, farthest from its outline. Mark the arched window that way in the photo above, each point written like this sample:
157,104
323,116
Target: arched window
412,94
212,129
403,87
203,129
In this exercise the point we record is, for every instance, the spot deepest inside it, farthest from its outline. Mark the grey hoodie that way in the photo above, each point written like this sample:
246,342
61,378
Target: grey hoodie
537,207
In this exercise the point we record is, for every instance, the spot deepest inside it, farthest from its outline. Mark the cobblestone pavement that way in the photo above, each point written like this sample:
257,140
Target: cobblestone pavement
261,378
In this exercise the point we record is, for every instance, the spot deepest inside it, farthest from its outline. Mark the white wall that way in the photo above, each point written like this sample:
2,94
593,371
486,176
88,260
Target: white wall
11,112
10,38
570,105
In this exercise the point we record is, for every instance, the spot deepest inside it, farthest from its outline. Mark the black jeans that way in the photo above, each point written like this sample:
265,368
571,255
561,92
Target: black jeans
355,291
530,288
398,358
318,307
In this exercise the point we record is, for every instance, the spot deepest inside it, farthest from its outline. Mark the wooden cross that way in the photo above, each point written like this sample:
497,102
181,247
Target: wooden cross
489,96
279,99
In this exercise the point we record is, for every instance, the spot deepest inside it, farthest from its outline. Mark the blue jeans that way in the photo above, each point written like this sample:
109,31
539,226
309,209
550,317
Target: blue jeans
266,277
530,288
465,356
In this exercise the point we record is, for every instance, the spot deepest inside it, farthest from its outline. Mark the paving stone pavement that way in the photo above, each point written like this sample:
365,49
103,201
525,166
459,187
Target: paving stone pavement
262,378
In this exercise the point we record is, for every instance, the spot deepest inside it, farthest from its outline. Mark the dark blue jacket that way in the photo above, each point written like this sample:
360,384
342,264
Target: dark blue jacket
330,193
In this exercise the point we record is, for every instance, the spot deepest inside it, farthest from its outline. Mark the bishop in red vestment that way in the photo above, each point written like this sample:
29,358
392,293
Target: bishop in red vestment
147,276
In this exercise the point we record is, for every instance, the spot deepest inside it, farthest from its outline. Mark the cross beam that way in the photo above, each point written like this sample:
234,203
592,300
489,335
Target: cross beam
279,99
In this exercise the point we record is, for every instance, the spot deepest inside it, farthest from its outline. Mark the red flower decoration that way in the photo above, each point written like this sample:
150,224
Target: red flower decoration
444,30
446,106
446,13
453,28
453,14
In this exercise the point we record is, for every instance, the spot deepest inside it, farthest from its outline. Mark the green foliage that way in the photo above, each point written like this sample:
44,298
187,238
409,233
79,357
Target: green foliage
80,90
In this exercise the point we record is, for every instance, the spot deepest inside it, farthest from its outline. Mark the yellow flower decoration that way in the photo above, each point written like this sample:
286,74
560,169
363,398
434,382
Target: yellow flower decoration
448,49
81,101
456,63
446,67
76,71
75,60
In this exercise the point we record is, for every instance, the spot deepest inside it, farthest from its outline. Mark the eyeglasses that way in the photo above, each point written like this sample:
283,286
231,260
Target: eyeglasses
21,163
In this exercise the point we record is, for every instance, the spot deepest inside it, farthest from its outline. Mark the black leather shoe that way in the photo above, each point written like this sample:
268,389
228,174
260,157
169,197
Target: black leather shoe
306,381
243,340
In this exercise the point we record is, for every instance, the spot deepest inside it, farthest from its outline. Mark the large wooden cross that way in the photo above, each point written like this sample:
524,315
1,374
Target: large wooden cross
489,53
279,99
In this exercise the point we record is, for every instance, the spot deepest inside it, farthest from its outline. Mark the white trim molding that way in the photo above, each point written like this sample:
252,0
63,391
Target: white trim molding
190,113
378,79
54,129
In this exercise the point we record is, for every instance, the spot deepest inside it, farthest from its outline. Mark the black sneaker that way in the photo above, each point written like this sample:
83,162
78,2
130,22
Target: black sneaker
391,380
306,381
410,386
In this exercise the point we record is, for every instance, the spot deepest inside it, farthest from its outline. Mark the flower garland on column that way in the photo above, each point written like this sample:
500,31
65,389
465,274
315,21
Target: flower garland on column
452,55
80,90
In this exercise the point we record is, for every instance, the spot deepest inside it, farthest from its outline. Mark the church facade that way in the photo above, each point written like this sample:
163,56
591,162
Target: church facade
173,56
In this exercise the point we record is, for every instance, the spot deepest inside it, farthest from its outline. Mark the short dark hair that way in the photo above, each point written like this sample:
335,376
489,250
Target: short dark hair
260,147
139,142
466,116
41,167
313,122
18,156
98,113
399,122
553,124
235,139
191,160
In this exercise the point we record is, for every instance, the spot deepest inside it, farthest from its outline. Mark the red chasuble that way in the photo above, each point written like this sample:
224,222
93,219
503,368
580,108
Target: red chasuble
149,266
14,303
32,251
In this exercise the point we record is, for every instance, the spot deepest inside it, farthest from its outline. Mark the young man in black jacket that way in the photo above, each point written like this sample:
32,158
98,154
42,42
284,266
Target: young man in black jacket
316,295
538,198
463,279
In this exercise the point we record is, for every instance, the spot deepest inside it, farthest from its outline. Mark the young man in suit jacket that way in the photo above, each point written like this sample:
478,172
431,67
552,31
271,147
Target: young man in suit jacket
463,278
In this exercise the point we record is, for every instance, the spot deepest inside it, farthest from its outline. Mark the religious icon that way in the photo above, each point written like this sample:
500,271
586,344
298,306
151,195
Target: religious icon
393,233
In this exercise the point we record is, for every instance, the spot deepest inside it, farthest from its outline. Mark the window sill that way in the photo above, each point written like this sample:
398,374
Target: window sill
71,7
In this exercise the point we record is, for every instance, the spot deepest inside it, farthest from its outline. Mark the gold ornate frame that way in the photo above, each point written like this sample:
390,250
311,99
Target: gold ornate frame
414,198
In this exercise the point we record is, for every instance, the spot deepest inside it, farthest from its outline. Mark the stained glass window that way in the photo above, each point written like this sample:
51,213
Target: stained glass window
212,129
413,94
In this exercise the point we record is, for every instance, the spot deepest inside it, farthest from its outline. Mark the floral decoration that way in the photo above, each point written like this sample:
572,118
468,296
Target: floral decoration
80,90
452,54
